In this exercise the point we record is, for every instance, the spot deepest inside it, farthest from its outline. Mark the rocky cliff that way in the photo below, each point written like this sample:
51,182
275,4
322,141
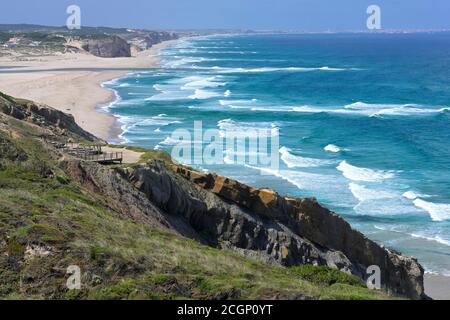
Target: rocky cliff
62,123
305,233
144,40
108,47
223,214
256,222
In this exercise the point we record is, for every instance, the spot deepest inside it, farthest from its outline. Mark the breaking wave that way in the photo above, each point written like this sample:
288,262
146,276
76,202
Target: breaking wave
293,161
363,174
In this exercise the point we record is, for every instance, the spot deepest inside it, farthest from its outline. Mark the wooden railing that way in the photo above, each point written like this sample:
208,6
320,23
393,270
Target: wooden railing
109,157
91,153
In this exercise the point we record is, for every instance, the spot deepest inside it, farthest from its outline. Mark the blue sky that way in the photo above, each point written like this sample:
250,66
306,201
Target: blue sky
309,15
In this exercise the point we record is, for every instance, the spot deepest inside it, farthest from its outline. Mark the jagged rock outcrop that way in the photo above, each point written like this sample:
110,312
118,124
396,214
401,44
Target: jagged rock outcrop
257,222
144,40
157,37
306,218
44,116
108,47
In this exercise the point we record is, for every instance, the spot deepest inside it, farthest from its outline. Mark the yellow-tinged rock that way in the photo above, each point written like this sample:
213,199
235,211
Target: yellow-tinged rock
267,196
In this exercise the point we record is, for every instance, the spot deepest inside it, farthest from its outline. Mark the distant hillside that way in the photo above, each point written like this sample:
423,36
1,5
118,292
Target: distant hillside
107,42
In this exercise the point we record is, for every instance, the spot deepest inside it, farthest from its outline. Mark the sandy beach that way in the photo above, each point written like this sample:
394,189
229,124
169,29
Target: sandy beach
72,83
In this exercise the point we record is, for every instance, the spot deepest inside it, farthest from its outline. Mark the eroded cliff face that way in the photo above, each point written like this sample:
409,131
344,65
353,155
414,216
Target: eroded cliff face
347,249
62,124
109,47
256,222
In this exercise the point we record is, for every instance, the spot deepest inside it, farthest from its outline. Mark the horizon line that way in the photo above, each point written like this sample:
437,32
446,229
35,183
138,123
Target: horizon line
246,30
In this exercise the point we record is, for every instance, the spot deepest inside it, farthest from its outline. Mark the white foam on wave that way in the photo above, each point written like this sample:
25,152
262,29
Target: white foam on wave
334,69
240,102
377,200
192,87
418,235
170,141
363,174
203,94
108,85
279,174
437,239
202,82
293,161
231,52
168,92
218,69
188,51
412,195
308,109
391,109
231,155
332,148
362,193
159,87
357,109
231,128
187,60
437,211
370,110
389,228
214,47
311,184
140,125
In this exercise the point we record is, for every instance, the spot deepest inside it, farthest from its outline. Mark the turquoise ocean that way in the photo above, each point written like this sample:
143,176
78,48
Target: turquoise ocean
363,122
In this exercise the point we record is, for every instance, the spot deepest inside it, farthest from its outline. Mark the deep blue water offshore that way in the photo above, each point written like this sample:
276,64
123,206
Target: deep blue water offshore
363,122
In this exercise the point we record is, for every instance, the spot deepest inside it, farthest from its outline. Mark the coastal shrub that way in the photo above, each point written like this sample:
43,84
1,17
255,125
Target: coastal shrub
40,167
325,275
10,151
62,180
13,248
9,278
6,97
98,253
340,291
161,279
125,289
39,233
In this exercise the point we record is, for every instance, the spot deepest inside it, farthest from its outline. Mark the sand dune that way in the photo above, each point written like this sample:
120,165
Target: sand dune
71,83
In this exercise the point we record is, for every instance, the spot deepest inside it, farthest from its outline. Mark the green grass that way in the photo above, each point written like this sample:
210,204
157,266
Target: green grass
325,276
148,154
14,100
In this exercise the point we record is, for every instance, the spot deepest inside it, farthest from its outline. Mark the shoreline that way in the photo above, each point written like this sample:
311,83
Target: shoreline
437,286
115,130
72,83
47,79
